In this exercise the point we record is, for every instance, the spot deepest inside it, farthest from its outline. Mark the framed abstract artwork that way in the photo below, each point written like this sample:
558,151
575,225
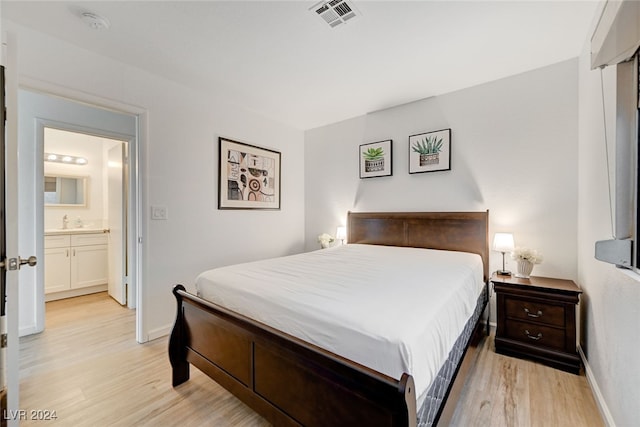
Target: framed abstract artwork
375,159
249,176
430,151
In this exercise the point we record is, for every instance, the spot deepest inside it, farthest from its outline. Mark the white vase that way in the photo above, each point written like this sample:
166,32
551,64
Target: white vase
524,269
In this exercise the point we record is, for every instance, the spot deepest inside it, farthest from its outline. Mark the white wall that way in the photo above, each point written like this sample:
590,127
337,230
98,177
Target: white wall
611,298
179,168
514,144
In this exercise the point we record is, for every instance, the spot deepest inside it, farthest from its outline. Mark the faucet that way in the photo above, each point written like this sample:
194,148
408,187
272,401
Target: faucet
65,222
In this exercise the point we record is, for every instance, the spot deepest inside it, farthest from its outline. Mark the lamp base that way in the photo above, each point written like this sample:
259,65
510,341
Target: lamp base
503,273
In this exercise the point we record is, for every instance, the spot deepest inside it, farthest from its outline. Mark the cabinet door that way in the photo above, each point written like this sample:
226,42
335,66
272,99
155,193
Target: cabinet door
88,266
57,273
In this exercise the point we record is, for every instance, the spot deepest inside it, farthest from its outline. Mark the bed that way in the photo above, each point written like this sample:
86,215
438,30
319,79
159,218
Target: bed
292,378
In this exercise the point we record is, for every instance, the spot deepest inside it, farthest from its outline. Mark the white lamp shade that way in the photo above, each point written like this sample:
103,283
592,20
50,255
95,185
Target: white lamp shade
503,242
341,233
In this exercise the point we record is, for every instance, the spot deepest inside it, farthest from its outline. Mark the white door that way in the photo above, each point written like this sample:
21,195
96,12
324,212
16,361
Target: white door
117,225
9,259
8,280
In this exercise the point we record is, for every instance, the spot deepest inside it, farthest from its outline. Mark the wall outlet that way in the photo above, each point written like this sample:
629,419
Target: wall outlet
159,212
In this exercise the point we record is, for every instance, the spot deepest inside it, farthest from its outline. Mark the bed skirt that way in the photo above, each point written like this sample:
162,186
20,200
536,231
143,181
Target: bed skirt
437,393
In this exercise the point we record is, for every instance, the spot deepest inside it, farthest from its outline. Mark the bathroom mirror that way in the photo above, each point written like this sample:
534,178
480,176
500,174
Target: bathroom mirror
65,190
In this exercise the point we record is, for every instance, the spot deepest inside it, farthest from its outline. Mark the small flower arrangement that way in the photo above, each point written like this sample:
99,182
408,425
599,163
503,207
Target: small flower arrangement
325,240
526,254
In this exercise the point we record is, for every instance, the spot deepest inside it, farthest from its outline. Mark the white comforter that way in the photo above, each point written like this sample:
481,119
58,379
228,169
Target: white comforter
392,309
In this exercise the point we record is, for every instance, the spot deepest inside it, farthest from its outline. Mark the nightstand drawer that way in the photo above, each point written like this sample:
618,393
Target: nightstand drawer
535,334
536,312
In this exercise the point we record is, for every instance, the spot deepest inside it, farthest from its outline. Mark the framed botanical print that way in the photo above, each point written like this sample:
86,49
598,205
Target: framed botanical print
430,151
375,159
249,176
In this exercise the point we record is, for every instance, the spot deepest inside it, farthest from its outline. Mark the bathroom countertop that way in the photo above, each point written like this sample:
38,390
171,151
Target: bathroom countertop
87,230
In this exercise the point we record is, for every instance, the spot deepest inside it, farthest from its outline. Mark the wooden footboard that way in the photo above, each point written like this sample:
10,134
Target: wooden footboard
284,379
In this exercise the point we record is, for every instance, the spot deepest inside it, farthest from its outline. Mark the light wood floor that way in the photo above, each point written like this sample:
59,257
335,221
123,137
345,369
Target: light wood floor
506,391
88,368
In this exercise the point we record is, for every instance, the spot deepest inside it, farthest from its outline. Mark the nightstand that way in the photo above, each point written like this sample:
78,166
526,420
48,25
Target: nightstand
537,319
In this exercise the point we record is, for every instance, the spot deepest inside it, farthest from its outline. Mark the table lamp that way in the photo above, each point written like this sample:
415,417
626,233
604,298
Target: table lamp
503,242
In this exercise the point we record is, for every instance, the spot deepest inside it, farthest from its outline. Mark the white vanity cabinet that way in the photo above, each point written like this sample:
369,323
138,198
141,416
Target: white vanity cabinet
74,261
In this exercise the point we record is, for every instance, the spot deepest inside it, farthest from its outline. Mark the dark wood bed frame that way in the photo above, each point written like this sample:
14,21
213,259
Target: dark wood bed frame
291,382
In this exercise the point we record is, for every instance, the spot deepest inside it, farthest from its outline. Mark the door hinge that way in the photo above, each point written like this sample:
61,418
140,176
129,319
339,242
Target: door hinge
3,341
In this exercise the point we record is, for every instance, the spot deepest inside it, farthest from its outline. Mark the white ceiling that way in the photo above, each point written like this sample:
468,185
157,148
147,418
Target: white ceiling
281,60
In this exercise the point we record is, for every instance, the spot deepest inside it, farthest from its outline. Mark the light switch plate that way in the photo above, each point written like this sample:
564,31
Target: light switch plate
159,212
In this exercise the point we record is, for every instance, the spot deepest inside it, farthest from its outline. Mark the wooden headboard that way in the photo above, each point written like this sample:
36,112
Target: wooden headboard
452,231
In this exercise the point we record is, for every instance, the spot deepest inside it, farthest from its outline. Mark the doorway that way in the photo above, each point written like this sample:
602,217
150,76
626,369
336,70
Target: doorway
41,114
85,221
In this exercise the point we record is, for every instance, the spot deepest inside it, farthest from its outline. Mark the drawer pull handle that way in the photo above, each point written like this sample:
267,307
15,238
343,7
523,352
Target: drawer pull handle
536,338
538,314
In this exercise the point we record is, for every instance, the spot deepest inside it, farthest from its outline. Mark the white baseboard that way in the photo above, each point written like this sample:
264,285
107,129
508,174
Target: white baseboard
159,332
75,292
602,405
29,330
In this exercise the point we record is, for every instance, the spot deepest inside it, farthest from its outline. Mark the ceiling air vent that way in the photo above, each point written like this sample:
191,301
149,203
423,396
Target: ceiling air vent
335,12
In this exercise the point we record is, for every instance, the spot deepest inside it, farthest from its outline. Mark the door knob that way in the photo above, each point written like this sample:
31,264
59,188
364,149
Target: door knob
15,263
32,261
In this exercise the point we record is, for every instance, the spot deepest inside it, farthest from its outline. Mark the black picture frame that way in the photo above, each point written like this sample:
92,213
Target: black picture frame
376,159
249,176
430,151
